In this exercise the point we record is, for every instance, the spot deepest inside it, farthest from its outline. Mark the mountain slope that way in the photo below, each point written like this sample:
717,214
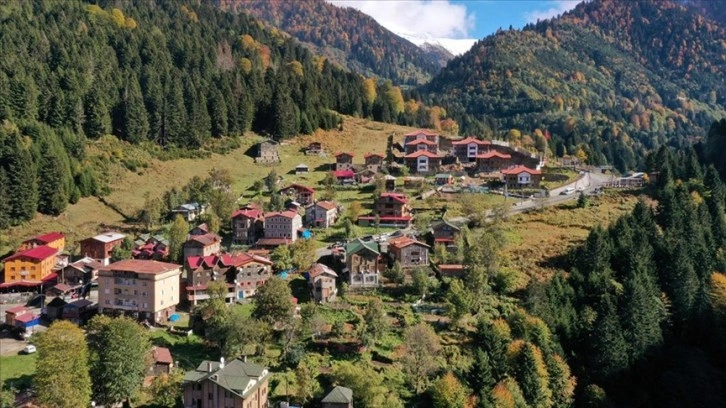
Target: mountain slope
712,9
612,78
346,36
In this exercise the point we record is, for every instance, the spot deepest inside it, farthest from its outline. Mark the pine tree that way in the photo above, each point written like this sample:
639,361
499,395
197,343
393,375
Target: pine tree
481,378
609,351
643,312
21,174
284,122
531,374
98,119
174,128
4,204
53,191
218,113
493,338
135,119
562,382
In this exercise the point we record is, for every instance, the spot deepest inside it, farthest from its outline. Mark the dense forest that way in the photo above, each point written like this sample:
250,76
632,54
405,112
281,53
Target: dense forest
617,79
164,73
347,36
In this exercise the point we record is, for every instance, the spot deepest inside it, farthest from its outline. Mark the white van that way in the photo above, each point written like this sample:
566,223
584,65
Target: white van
568,191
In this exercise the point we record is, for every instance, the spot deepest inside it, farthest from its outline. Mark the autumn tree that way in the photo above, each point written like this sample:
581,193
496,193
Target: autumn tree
166,389
62,378
448,392
421,358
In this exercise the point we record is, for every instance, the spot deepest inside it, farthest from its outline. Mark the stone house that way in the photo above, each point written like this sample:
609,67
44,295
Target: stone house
267,152
373,161
343,161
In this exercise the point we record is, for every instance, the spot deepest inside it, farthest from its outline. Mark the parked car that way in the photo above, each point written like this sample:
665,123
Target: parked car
29,349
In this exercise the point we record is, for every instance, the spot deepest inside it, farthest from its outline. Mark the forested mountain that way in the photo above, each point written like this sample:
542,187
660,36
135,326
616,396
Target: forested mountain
613,78
167,73
711,9
346,36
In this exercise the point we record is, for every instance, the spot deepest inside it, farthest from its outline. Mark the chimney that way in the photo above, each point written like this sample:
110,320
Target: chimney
221,363
209,366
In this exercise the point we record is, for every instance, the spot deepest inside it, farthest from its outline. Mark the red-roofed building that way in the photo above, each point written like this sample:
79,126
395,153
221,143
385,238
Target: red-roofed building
343,161
302,194
344,176
373,161
419,145
423,162
31,265
247,225
454,270
15,312
163,362
408,252
283,225
52,239
493,161
466,150
243,273
421,134
391,209
521,177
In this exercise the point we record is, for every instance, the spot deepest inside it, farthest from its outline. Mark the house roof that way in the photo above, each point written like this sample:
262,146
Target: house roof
344,173
17,309
206,239
38,253
450,268
80,303
273,241
326,205
57,302
343,154
421,132
368,155
202,227
62,287
141,266
443,222
469,140
493,153
386,218
162,355
443,175
402,242
357,245
401,198
421,141
320,269
299,187
25,318
286,214
107,237
236,376
422,153
252,213
301,165
520,169
339,395
187,207
48,237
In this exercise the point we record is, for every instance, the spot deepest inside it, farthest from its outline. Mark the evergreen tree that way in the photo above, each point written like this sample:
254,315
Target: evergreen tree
4,204
21,174
609,351
218,113
98,118
284,123
135,119
643,312
481,377
52,189
493,338
531,374
562,383
174,126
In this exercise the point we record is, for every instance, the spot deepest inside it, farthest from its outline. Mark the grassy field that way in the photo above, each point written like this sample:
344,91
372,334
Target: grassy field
153,176
17,371
536,237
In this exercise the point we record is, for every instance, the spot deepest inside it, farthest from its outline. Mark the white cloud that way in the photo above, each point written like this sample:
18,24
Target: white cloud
435,21
556,7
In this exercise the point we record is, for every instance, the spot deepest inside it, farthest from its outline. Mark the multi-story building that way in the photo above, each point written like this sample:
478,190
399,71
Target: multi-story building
445,233
421,140
101,246
521,177
281,228
391,209
200,271
322,214
247,225
343,161
322,283
423,162
466,150
408,252
363,264
32,266
82,271
249,273
373,161
202,245
302,194
493,161
146,289
216,384
55,240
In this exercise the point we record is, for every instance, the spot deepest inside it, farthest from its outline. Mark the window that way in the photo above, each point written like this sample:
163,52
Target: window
108,301
209,395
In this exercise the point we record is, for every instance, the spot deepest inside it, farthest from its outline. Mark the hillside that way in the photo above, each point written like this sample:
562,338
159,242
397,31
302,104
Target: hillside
348,37
713,10
612,79
171,76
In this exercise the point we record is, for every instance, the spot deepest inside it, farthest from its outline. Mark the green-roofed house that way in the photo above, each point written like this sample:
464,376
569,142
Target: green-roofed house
363,262
338,397
443,179
237,384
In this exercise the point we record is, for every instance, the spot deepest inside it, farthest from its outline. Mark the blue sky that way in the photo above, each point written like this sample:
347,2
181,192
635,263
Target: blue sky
455,24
